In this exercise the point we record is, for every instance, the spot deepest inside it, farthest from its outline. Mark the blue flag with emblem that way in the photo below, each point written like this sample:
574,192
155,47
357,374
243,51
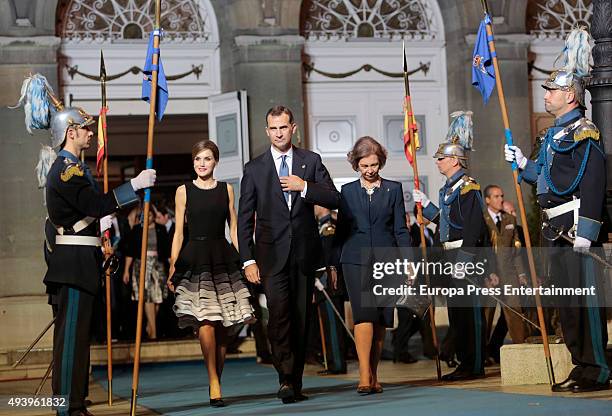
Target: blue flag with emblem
483,72
162,84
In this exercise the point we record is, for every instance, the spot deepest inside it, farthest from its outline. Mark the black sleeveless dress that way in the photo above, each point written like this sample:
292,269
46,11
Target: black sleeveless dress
207,278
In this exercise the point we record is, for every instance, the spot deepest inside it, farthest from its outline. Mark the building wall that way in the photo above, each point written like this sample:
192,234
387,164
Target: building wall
261,51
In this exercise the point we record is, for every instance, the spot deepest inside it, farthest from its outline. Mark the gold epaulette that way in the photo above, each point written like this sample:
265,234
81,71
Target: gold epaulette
586,130
468,185
70,170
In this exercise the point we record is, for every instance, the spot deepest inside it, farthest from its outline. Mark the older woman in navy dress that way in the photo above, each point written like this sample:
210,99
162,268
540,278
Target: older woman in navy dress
371,214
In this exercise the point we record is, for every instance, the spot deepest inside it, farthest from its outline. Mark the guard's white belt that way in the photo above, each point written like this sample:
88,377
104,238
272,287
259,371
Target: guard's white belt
562,209
449,245
77,240
78,226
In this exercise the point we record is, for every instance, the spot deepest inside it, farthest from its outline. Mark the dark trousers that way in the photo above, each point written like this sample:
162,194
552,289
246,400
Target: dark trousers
334,333
583,320
289,298
71,345
259,329
408,325
467,323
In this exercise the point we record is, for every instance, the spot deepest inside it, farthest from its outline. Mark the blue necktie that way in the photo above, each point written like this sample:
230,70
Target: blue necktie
284,171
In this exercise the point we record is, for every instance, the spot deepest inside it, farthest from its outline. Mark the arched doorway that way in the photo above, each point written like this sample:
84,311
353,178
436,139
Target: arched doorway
354,87
121,28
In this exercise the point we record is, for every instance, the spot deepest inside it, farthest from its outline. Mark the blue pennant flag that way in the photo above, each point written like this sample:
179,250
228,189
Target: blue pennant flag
162,85
483,72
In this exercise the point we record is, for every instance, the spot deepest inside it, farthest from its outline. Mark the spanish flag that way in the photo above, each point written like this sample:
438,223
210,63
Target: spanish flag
410,131
101,139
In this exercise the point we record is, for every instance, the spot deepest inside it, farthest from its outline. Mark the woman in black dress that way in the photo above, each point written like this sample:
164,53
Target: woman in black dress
205,275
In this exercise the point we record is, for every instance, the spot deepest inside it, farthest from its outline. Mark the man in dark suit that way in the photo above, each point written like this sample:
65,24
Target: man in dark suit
506,244
281,187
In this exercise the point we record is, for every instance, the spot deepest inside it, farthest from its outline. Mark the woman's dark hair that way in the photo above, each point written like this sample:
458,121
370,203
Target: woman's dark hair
365,147
203,145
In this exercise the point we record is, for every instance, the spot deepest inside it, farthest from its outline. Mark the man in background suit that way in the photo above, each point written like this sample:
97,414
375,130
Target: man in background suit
506,244
281,187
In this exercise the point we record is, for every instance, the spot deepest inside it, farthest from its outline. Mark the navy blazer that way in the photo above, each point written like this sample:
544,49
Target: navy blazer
278,231
363,224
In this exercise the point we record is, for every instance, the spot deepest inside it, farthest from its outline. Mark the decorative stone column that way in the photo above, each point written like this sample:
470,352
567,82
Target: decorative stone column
461,20
261,53
600,84
27,46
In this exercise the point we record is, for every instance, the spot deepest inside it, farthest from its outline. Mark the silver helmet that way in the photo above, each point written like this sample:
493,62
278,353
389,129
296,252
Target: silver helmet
451,150
567,81
65,118
458,139
576,66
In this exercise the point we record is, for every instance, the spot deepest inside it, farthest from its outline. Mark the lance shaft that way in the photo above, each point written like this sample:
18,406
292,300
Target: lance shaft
417,185
146,208
519,195
107,245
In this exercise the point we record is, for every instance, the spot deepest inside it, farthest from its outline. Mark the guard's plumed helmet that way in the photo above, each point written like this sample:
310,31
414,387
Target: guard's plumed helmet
44,111
458,139
576,67
65,118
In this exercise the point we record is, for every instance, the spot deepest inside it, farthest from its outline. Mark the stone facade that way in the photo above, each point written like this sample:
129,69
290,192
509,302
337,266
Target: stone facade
260,51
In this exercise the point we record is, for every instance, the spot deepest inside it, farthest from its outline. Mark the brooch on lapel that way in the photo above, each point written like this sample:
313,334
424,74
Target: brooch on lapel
303,166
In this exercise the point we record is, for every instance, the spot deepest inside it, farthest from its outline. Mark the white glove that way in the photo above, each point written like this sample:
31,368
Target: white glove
514,154
145,179
419,196
581,243
106,223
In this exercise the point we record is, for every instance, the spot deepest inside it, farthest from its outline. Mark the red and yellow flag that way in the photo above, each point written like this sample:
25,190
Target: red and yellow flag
102,139
410,132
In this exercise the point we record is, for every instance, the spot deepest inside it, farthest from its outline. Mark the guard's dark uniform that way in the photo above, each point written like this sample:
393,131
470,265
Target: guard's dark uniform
571,166
461,224
332,327
74,267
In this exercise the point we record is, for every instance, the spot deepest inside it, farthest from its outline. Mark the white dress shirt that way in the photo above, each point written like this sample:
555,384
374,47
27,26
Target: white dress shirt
494,215
278,159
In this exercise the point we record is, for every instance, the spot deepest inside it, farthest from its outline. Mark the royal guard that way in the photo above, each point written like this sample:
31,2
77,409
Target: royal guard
570,178
462,228
77,215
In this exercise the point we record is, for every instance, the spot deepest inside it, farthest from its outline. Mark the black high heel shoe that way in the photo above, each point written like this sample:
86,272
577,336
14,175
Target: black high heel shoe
215,402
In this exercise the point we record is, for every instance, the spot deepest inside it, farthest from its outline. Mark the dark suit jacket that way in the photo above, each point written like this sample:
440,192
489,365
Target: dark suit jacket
71,196
279,231
415,235
363,224
506,244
